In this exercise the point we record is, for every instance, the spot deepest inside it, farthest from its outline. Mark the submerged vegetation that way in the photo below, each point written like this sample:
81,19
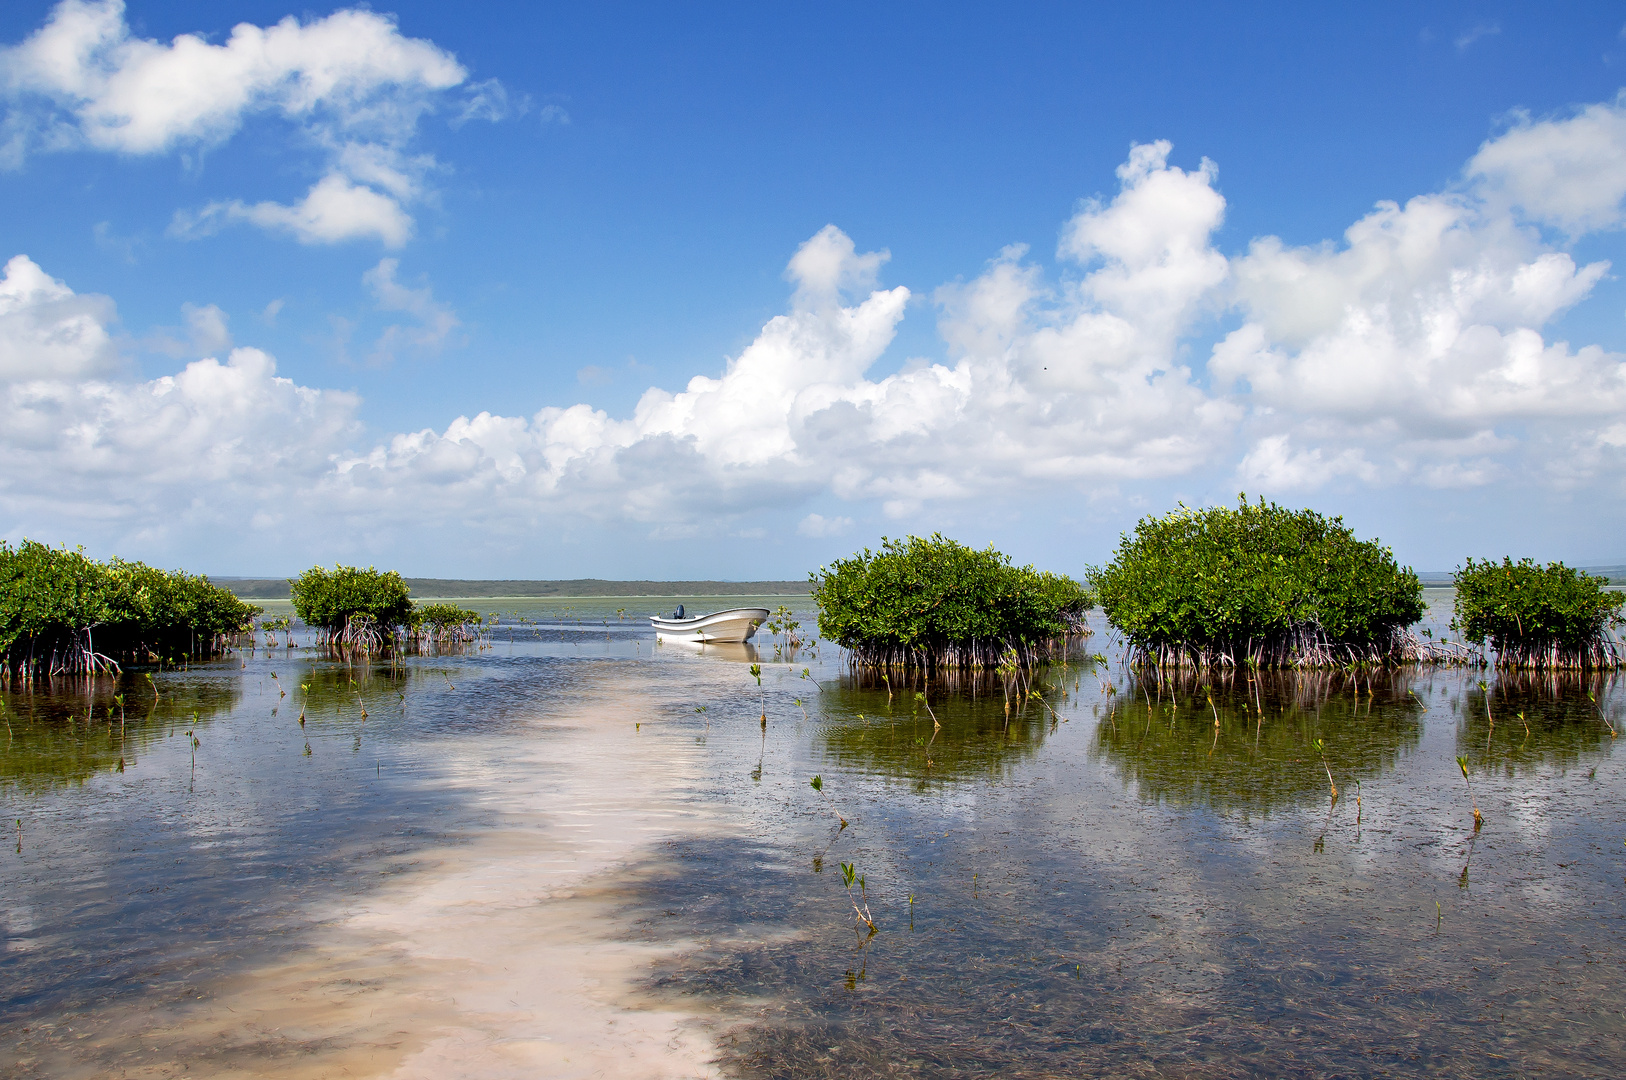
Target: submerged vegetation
933,603
1259,585
1536,616
64,613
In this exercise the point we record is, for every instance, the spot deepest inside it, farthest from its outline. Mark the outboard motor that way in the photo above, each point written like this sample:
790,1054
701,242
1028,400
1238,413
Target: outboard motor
678,614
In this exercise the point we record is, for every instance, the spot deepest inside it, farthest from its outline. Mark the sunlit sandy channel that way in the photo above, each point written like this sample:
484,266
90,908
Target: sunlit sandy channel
498,957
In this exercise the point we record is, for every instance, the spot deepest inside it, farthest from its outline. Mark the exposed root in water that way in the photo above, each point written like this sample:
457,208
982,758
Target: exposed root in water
969,655
1305,648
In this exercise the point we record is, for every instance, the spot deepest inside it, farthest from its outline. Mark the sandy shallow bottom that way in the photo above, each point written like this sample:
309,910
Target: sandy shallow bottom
499,957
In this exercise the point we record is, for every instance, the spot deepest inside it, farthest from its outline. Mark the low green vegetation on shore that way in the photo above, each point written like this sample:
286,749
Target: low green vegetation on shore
1258,584
1537,616
63,612
479,588
933,602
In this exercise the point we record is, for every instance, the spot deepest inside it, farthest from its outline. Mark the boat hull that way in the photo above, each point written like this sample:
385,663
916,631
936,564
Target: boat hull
734,626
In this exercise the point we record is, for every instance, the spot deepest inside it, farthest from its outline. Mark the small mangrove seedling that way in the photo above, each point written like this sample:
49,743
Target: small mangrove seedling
911,911
800,706
762,700
921,697
817,784
848,876
193,739
1526,724
1462,763
1590,696
1320,749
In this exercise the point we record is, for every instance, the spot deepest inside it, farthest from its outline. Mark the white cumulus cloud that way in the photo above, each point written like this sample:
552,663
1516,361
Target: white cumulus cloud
46,332
1413,351
1569,172
202,449
817,525
333,210
1416,347
349,83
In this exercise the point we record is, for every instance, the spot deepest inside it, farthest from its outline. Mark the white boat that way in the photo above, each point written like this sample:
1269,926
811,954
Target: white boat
734,626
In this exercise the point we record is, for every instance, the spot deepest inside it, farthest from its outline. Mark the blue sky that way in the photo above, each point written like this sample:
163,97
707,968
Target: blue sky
559,208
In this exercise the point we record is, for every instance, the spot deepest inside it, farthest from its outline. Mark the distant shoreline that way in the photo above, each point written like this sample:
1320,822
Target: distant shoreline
605,589
512,589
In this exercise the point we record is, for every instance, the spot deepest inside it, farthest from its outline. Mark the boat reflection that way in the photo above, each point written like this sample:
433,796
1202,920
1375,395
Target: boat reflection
738,652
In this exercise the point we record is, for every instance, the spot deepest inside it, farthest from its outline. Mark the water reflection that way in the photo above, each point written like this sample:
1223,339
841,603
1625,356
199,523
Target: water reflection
954,726
1244,744
63,731
1519,720
1033,920
738,652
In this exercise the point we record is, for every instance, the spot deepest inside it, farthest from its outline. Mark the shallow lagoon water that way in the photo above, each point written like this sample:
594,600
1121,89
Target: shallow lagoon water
541,857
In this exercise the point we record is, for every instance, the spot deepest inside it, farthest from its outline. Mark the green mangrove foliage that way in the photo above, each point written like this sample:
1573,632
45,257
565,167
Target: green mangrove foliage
1536,616
1261,585
443,623
62,612
937,603
354,608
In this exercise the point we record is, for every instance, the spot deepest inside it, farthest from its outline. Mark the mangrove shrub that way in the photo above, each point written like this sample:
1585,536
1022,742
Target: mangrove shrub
443,622
352,606
1534,616
934,602
1258,584
61,611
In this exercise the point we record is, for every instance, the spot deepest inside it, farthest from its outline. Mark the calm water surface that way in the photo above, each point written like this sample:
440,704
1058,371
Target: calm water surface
1088,874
